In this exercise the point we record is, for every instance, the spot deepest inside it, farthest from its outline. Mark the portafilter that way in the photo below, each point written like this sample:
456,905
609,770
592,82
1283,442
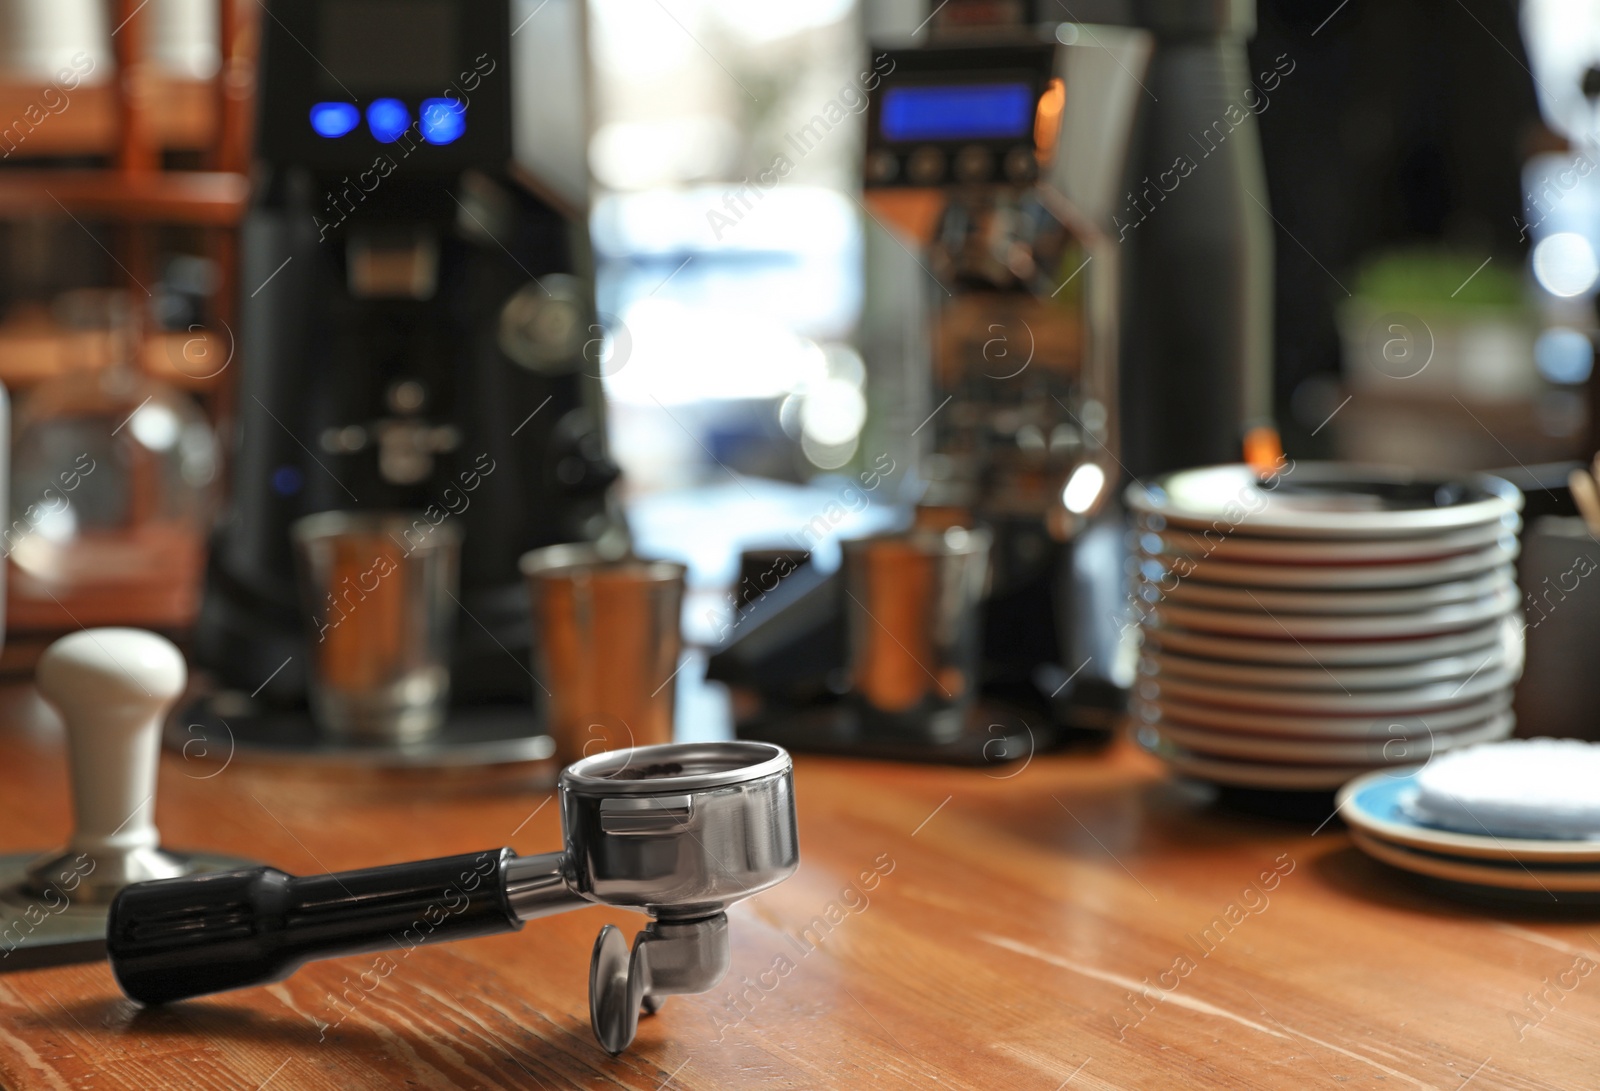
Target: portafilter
679,831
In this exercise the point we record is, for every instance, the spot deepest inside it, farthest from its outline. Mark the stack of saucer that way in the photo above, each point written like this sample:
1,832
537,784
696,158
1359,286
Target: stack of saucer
1301,629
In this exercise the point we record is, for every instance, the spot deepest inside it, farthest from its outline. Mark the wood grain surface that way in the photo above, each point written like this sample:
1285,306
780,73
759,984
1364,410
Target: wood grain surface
947,928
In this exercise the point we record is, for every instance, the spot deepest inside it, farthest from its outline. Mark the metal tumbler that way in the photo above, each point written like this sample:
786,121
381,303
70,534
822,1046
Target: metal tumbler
606,645
381,591
912,603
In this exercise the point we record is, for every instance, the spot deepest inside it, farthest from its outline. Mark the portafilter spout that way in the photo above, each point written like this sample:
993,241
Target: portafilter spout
679,832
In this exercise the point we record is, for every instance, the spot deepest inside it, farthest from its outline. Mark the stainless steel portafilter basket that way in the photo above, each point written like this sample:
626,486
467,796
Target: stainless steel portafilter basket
679,832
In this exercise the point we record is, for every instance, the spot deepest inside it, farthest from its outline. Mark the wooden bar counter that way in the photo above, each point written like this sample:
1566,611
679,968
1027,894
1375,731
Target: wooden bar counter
1080,922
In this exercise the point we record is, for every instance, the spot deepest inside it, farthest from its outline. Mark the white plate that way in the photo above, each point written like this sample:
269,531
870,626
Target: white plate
1509,876
1194,592
1372,804
1156,665
1254,774
1274,626
1365,577
1395,704
1325,500
1324,654
1239,547
1375,750
1328,727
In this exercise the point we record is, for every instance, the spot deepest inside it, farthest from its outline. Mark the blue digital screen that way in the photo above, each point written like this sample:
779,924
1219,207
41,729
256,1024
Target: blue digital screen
388,119
962,111
334,119
442,120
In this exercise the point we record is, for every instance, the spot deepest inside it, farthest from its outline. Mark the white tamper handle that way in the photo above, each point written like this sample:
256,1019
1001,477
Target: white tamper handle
113,688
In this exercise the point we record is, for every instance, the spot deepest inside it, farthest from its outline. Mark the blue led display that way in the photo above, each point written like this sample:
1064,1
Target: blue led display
443,120
334,119
388,119
968,111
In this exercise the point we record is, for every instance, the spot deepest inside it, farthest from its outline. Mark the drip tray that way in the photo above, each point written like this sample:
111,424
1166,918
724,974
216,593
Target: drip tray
994,735
472,737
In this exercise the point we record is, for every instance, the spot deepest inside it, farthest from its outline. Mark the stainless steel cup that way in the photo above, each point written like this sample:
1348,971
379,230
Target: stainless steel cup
606,646
912,607
381,591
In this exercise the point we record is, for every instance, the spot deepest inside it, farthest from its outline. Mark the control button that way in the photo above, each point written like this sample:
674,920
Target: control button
442,120
334,119
974,164
343,441
1020,165
926,166
882,167
388,119
407,396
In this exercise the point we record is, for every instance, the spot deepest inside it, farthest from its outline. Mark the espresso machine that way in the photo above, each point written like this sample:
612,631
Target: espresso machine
418,334
998,165
1095,287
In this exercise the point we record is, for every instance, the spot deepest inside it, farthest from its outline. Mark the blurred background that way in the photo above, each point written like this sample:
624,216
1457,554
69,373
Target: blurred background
1430,172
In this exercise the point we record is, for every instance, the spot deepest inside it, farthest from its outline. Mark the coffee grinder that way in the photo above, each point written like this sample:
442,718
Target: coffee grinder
418,334
997,165
1085,211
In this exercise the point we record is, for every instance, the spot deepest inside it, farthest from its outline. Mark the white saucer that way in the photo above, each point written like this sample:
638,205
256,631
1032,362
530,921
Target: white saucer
1239,547
1372,804
1334,577
1377,749
1328,727
1193,592
1157,664
1510,876
1325,500
1270,626
1397,704
1325,654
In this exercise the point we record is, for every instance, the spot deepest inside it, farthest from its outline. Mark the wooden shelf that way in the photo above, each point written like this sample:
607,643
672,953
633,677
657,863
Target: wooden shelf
129,123
204,198
33,351
182,116
148,577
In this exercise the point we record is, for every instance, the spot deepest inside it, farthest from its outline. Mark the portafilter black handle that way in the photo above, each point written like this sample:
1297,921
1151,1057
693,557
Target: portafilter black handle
177,938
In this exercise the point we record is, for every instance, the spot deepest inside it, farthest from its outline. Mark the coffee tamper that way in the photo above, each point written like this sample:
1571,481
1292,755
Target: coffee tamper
679,831
113,688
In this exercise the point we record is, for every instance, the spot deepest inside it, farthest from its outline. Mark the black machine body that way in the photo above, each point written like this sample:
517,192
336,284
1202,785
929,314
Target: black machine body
417,334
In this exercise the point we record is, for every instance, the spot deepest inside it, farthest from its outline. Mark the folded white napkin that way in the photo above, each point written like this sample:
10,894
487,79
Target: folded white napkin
1541,788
